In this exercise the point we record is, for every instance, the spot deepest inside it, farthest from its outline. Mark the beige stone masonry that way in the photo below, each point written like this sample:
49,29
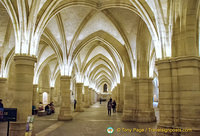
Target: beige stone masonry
144,100
24,71
90,95
3,87
138,100
35,96
129,101
179,92
65,109
51,94
79,104
119,100
86,97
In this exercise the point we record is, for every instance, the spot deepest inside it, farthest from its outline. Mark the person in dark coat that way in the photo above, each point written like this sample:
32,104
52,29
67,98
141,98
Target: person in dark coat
52,107
47,108
109,106
114,106
74,103
1,104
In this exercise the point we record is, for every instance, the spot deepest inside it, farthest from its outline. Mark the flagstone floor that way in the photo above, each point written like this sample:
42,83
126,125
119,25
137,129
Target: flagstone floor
94,121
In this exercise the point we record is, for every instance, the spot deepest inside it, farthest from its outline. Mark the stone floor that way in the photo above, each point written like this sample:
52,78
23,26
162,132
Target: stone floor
94,121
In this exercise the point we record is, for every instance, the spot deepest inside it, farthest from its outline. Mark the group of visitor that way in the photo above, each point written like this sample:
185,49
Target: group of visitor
49,108
111,105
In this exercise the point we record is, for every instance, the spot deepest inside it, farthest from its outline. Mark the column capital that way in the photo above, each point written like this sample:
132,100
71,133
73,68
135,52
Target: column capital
2,80
26,60
79,84
86,87
35,85
65,77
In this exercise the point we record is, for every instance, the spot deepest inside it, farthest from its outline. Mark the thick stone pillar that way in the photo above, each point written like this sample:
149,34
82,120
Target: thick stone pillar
40,97
144,111
35,95
90,96
3,88
96,97
93,95
129,100
86,97
51,94
114,94
119,103
179,93
24,70
165,93
79,88
65,109
122,95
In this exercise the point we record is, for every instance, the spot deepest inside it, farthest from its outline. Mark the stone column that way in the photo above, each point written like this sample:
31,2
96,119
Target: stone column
93,96
86,97
119,103
35,95
114,94
165,93
51,94
179,93
145,111
40,97
121,95
129,100
3,88
90,96
65,109
24,70
79,87
96,95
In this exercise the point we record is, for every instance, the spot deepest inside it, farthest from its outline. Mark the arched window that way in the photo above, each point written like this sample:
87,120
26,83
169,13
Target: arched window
105,88
45,98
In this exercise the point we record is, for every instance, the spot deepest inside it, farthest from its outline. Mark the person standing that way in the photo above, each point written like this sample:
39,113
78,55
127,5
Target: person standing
100,100
109,106
1,104
74,103
114,106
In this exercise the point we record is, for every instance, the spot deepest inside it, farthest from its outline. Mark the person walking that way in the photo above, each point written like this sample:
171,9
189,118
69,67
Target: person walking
114,106
109,106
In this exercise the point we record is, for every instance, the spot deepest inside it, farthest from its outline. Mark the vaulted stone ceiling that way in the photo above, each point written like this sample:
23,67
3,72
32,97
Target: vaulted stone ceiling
78,32
93,41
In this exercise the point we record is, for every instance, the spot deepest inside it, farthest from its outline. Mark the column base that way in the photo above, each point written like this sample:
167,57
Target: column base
86,106
79,110
65,114
119,108
17,128
146,116
128,115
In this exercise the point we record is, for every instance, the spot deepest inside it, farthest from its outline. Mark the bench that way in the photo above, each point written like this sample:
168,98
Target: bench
42,113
